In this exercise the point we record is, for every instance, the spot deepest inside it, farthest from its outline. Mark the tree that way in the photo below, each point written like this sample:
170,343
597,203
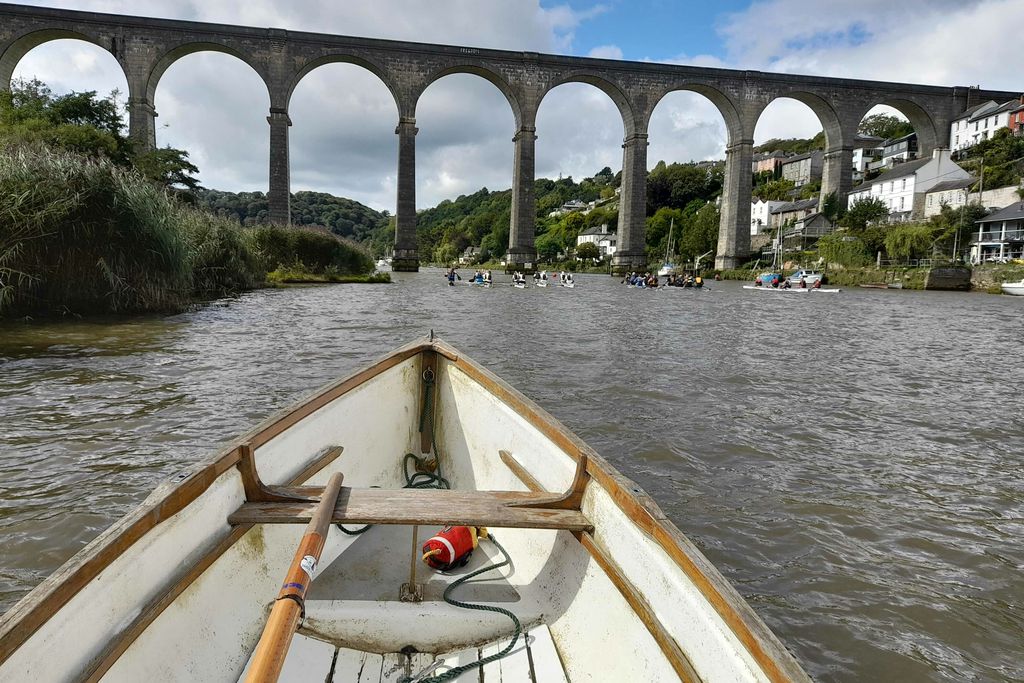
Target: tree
832,208
909,241
700,234
171,168
588,250
885,126
863,212
548,246
774,190
843,249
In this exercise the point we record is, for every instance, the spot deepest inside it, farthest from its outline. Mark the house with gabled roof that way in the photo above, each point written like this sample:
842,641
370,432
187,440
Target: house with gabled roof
980,122
903,187
999,236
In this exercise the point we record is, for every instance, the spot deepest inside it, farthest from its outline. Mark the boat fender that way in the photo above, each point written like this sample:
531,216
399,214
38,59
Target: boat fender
452,546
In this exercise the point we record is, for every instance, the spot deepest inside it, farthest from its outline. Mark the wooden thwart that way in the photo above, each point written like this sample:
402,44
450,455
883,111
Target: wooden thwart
501,509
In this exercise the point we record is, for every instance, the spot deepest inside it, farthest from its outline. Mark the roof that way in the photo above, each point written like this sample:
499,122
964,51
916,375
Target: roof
952,185
800,205
975,109
893,141
900,170
991,108
1013,212
800,157
861,140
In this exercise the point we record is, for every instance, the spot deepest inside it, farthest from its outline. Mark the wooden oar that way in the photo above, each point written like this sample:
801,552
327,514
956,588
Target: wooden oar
272,649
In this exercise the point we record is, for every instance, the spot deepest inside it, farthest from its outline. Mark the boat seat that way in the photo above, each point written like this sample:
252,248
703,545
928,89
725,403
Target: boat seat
534,658
498,509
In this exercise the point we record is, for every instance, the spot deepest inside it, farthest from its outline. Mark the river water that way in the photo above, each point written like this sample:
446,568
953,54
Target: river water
851,462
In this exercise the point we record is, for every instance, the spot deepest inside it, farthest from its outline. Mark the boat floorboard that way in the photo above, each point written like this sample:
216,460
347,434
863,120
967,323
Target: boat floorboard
534,659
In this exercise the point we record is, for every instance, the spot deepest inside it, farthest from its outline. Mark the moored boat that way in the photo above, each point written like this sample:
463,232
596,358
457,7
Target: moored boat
808,276
1013,288
180,588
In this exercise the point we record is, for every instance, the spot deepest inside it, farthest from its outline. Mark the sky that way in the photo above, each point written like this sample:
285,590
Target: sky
342,137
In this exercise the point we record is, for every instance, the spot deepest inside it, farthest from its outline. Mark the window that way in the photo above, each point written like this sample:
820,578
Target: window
929,200
975,125
904,184
901,202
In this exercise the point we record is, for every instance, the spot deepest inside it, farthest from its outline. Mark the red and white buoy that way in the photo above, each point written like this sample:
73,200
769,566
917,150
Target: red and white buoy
452,546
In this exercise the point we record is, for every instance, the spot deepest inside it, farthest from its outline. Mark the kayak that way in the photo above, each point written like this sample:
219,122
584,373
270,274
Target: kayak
570,285
603,585
541,283
519,285
792,290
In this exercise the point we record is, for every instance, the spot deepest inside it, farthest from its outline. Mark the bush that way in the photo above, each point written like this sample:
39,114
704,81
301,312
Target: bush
308,249
85,236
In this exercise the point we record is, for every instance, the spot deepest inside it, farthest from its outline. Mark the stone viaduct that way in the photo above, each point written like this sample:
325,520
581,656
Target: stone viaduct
145,48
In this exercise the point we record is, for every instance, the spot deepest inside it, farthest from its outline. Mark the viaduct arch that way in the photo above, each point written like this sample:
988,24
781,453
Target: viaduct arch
146,47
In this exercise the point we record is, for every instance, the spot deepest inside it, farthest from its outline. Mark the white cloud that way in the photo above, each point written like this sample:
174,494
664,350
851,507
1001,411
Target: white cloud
606,52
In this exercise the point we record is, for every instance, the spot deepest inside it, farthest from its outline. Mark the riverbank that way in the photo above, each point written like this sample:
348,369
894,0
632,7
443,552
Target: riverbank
82,236
289,276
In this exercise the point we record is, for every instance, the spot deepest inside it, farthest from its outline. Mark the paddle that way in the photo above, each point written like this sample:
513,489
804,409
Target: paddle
272,649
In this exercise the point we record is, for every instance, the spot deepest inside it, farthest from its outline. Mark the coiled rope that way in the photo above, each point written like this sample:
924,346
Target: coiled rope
452,674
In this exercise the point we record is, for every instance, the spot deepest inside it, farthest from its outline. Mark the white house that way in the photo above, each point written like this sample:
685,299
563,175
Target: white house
979,123
866,150
951,193
760,214
1000,236
899,150
600,235
903,187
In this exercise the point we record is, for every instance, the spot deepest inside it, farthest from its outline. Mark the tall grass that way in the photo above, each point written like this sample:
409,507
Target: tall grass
83,236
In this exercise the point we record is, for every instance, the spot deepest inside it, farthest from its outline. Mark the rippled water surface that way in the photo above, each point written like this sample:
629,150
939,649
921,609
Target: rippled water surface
851,462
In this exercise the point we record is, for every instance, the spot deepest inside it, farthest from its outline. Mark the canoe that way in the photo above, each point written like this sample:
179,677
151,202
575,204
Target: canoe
791,290
605,587
541,283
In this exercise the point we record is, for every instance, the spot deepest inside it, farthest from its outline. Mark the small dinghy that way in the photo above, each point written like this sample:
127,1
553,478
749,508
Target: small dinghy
345,498
541,283
519,285
1013,288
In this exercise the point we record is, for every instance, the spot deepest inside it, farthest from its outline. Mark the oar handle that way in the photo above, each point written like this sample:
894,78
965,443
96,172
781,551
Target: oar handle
289,607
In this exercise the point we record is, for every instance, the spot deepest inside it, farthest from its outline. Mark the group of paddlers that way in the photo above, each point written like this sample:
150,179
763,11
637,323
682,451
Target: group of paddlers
650,280
480,277
483,277
785,283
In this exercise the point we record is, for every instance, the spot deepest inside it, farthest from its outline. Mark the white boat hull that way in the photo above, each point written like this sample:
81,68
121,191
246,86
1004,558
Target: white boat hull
176,592
1013,288
791,290
541,283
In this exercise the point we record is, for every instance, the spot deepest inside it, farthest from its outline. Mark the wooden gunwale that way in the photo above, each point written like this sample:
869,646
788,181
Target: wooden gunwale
26,617
29,614
764,647
675,655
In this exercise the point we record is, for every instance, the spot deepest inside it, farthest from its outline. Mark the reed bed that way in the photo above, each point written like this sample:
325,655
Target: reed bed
83,236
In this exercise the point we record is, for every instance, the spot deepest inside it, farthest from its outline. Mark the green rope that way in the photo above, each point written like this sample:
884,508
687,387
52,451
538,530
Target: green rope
421,478
459,670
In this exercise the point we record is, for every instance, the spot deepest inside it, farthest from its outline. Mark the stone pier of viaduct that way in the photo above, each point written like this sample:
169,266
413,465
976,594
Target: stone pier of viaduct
145,48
